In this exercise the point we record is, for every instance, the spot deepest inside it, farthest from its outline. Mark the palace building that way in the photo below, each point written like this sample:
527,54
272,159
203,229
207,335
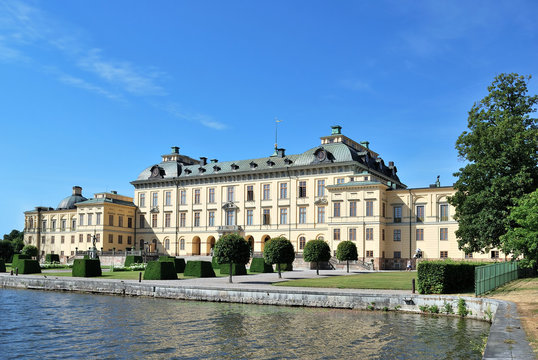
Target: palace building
338,190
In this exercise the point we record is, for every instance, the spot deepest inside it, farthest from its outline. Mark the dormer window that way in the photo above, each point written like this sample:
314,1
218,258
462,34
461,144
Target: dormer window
235,167
287,161
188,171
253,165
201,169
270,163
216,168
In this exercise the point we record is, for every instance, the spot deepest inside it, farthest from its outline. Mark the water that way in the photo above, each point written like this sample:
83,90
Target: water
38,324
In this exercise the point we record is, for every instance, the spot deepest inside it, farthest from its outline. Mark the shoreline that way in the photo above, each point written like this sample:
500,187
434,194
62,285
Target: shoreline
501,342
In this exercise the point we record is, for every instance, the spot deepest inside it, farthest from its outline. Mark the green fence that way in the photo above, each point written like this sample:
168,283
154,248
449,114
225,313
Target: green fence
489,277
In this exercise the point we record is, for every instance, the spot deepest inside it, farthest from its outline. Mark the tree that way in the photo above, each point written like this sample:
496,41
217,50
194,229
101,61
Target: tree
501,150
316,251
6,250
232,249
521,237
347,250
29,250
17,239
277,251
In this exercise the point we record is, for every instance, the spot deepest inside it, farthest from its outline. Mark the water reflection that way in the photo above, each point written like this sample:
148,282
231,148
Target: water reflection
46,324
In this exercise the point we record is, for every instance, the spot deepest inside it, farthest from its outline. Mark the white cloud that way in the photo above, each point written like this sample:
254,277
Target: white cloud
206,120
82,84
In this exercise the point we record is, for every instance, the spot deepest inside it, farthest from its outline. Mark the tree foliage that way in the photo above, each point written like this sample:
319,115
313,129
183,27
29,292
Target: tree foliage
16,238
316,251
501,150
232,249
29,250
521,237
6,250
277,251
347,250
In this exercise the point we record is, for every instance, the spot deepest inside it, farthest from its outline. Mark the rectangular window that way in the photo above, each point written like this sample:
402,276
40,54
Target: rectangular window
250,193
90,219
167,218
283,190
302,189
397,214
142,222
420,234
443,234
129,222
52,239
369,208
53,225
154,220
142,200
336,209
196,219
266,216
43,239
420,213
250,217
111,220
97,238
110,238
81,219
211,218
336,234
80,238
98,219
88,238
397,255
63,224
44,225
183,197
120,220
182,219
120,239
352,234
266,192
211,196
494,254
154,199
321,187
72,239
230,217
369,253
397,235
443,254
73,224
62,239
168,198
352,208
197,196
283,216
340,180
321,214
443,211
129,240
230,193
369,234
383,234
302,215
384,210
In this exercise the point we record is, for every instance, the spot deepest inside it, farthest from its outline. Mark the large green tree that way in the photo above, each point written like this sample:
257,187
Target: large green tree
232,249
522,235
17,240
278,251
316,251
347,250
500,148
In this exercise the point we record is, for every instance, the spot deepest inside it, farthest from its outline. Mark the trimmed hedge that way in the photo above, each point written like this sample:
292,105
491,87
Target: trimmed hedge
50,258
86,268
16,259
132,259
199,269
446,276
215,263
2,265
179,263
160,270
237,269
28,266
260,266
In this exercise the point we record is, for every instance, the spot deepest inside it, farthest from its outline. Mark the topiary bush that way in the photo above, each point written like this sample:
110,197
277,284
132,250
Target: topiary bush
316,251
86,268
133,259
28,266
197,268
347,250
16,258
50,258
260,266
2,265
446,276
277,251
29,250
237,269
179,263
160,270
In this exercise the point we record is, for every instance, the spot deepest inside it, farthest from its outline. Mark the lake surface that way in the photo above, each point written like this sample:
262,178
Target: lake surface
39,324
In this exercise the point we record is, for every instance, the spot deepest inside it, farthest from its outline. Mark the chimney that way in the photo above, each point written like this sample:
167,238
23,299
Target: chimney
214,161
114,192
77,190
203,160
366,144
175,149
391,164
336,130
280,153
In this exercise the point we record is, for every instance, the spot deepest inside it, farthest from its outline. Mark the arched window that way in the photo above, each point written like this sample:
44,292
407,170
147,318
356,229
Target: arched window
302,242
320,237
167,244
182,244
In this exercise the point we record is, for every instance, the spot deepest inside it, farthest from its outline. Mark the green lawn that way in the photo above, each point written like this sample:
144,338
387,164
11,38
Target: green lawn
385,280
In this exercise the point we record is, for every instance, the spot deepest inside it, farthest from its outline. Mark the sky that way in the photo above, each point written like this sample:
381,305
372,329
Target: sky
93,92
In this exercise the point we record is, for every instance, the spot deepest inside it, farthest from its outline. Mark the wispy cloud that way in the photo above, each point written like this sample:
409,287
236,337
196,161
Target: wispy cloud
175,110
83,84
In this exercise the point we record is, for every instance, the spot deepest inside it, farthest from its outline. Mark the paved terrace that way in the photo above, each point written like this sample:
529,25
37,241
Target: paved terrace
507,339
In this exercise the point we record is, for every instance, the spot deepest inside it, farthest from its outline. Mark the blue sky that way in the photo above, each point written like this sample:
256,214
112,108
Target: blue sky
92,92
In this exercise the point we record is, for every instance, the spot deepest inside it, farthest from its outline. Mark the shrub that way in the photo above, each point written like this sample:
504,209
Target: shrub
179,264
277,251
462,308
132,259
2,265
6,250
347,250
199,268
29,250
446,276
160,270
237,269
16,258
50,258
86,268
316,251
260,266
28,266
